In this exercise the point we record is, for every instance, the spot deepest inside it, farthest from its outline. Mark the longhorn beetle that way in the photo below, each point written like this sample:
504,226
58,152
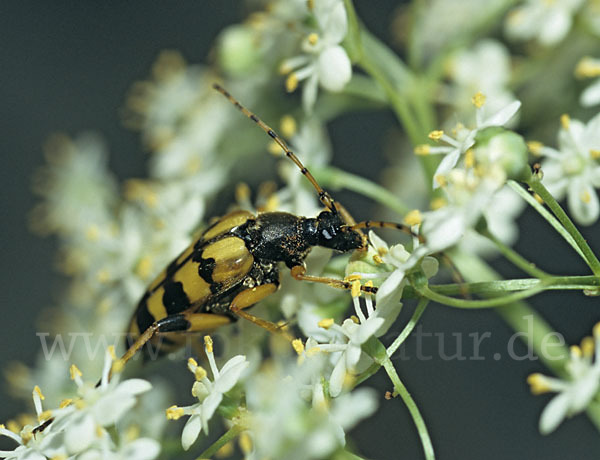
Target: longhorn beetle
234,264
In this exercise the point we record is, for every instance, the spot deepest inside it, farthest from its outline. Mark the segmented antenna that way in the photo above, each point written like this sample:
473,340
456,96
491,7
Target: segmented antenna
324,197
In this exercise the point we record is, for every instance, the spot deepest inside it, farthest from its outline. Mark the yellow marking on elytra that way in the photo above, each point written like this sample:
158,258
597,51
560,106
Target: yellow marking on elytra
232,260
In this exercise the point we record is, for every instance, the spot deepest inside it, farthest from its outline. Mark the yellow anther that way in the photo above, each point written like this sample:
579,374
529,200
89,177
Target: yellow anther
355,291
441,180
117,366
37,391
132,433
596,330
174,413
585,196
595,154
242,192
478,99
538,384
192,364
12,425
226,450
588,67
59,457
208,343
200,373
353,277
413,217
274,148
144,267
288,126
587,346
355,319
313,38
291,82
111,352
285,68
422,149
64,403
43,416
298,346
470,158
436,135
326,323
92,233
535,147
245,442
26,435
538,198
80,404
575,351
272,203
377,259
437,203
103,276
310,4
565,121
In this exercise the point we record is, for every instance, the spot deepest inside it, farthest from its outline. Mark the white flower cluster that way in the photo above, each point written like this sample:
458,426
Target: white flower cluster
576,392
82,427
574,169
473,174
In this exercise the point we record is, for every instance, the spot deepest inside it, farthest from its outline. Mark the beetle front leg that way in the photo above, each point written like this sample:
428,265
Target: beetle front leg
181,322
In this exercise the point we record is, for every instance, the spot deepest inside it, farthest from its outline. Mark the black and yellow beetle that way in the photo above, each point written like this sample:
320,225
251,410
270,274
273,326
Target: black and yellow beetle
234,264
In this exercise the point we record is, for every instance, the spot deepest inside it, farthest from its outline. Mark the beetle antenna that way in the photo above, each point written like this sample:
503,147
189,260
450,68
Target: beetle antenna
324,197
366,224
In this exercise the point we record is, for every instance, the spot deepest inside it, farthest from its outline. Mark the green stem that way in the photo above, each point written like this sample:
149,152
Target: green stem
401,390
561,215
587,282
516,258
425,291
336,178
524,320
233,433
553,221
423,302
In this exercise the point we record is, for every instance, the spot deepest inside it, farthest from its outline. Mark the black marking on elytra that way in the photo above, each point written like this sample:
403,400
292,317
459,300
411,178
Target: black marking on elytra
175,299
143,317
206,268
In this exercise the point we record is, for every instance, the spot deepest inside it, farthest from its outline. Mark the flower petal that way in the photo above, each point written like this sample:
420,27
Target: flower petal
191,430
334,68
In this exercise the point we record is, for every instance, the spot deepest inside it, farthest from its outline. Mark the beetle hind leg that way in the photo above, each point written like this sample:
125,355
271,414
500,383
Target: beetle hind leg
299,273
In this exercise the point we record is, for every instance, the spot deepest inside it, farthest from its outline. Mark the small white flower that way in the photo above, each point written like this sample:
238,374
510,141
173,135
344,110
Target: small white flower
35,443
209,394
589,67
325,61
576,392
284,424
97,406
469,73
573,169
546,21
464,138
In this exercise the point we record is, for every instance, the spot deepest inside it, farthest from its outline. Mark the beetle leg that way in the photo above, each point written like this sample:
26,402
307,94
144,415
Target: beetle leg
248,298
181,322
299,273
